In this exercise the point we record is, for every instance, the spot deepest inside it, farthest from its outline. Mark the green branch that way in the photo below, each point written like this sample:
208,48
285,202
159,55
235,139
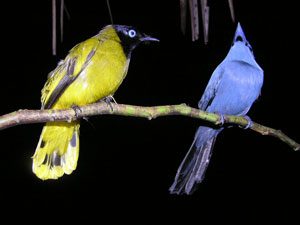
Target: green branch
38,116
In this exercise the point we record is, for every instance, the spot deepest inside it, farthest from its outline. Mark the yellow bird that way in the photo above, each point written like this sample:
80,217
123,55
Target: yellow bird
93,70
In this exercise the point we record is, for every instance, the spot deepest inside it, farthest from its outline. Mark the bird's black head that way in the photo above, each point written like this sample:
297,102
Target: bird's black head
130,37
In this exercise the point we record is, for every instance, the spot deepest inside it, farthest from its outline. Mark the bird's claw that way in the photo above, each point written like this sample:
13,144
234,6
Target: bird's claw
222,118
250,123
76,109
108,99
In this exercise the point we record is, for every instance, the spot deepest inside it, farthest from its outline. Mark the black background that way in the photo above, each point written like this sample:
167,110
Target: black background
126,165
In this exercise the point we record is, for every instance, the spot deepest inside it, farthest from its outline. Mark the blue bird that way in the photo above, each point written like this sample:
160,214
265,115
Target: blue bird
233,87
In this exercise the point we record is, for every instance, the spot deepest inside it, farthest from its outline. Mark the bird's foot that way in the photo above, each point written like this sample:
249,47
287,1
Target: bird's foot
250,123
108,99
76,109
222,118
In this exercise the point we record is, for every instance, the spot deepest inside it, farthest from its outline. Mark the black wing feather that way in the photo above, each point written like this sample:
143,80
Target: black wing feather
68,79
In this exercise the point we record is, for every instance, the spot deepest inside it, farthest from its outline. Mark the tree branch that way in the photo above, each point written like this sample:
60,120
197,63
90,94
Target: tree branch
38,116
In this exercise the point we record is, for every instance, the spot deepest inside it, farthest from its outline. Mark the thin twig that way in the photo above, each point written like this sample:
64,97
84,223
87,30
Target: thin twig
62,3
53,27
38,116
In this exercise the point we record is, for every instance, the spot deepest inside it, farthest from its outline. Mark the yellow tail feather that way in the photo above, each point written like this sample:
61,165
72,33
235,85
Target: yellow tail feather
57,151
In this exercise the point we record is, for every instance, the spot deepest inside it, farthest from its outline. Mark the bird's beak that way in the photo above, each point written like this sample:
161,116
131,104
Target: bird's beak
239,34
148,38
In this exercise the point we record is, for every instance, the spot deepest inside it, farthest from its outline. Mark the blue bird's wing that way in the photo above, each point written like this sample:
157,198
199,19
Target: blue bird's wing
211,88
237,90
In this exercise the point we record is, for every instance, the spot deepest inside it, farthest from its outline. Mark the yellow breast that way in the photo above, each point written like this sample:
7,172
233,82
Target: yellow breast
102,76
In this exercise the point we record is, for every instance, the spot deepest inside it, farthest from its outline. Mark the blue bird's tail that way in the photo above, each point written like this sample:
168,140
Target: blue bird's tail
192,169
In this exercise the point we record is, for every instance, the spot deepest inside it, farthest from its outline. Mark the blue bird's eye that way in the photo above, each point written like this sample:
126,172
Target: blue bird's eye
131,33
249,46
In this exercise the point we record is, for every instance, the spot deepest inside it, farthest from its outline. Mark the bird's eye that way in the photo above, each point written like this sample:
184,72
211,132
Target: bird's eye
131,33
249,46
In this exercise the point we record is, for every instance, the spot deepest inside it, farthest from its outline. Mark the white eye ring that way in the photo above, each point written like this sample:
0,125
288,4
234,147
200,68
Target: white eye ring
131,33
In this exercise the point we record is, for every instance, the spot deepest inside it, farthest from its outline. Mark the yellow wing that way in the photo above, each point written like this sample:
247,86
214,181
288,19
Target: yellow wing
68,70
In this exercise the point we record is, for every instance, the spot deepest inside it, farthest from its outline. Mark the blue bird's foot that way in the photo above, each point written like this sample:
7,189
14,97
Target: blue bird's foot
250,123
222,118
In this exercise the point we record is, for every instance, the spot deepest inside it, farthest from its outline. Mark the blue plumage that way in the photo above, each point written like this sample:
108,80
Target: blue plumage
233,87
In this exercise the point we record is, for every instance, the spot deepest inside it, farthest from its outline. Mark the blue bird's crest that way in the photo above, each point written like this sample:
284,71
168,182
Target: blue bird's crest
241,49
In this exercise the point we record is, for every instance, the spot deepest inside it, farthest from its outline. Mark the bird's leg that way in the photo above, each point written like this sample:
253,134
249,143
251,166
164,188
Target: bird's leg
76,109
250,123
108,99
222,118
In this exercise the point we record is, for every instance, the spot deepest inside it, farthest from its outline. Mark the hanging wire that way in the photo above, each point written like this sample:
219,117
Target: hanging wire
53,27
109,11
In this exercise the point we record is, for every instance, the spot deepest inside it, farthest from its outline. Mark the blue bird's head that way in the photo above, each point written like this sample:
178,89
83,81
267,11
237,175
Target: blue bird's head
241,49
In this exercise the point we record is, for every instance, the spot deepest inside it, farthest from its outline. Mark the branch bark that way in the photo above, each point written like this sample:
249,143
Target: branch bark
25,116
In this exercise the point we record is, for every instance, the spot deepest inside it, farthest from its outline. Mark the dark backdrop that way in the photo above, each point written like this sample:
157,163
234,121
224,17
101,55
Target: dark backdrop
126,165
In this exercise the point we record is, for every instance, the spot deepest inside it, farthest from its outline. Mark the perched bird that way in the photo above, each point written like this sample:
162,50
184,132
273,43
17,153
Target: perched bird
233,87
93,70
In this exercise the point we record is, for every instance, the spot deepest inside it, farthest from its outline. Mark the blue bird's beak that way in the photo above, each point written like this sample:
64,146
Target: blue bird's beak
239,35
